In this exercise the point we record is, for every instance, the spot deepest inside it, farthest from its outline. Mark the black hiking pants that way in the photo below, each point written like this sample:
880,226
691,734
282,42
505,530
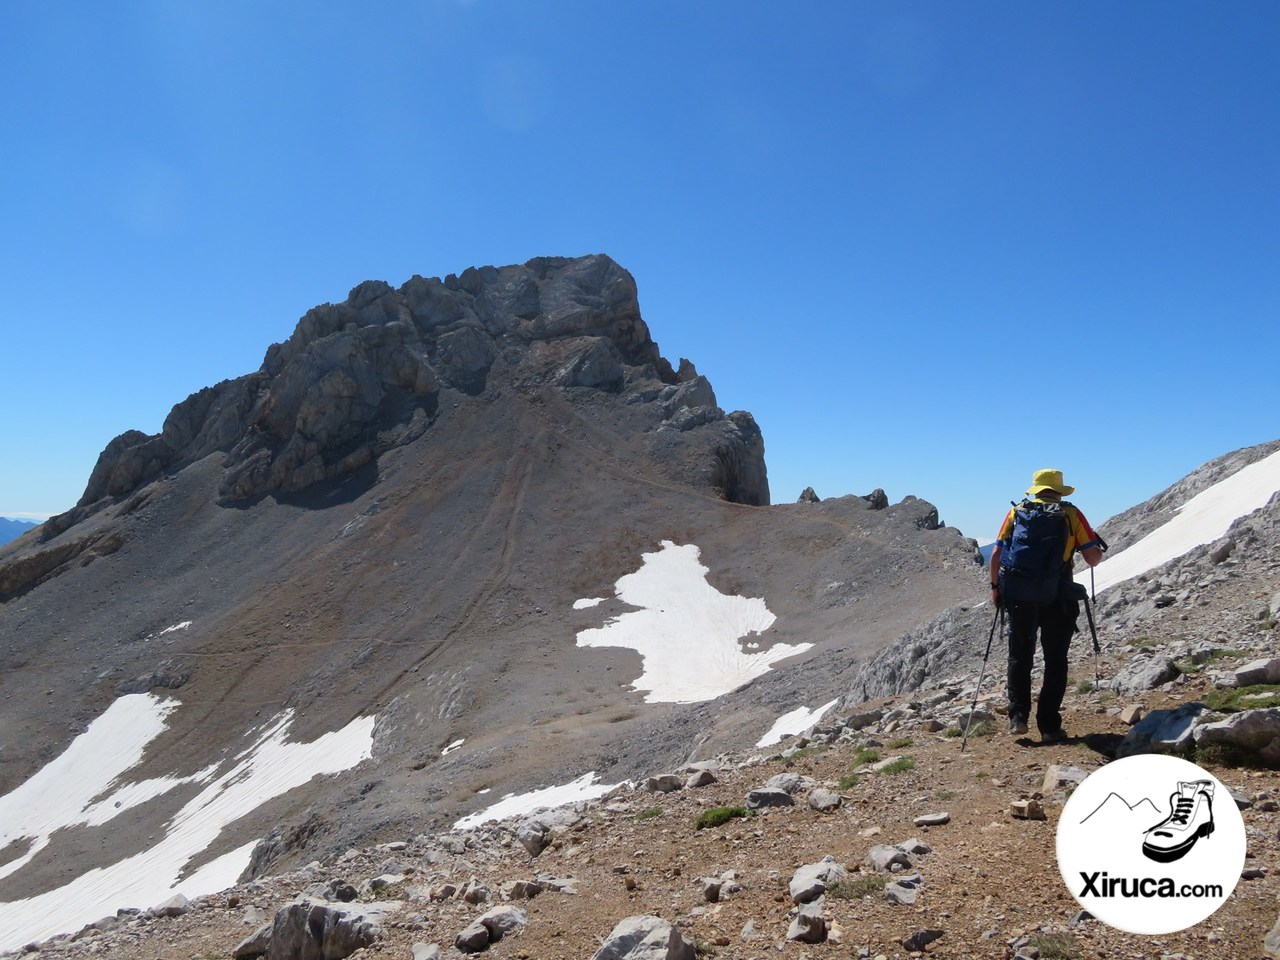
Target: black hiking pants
1055,622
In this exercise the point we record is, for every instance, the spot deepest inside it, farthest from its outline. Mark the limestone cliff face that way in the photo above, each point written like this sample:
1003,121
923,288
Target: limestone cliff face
363,376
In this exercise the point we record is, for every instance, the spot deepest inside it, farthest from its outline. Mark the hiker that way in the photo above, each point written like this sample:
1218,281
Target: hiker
1031,575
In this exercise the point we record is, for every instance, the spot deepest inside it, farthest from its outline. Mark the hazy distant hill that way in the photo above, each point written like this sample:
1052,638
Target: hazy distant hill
13,529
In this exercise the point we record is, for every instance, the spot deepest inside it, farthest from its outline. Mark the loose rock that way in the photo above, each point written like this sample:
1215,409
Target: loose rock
645,938
809,925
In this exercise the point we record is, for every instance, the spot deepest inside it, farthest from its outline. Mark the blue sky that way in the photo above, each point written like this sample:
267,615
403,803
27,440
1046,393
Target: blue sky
931,246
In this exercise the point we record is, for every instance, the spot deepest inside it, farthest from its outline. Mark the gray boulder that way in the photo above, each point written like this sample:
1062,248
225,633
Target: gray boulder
811,881
533,836
1256,671
307,931
808,495
503,920
473,939
1163,731
824,801
1271,942
904,890
490,927
809,925
790,782
942,818
254,945
175,906
768,797
859,720
664,783
1255,732
884,857
1145,674
645,938
700,778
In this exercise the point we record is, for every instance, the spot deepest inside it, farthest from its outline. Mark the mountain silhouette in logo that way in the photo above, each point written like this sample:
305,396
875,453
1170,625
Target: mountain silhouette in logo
1116,808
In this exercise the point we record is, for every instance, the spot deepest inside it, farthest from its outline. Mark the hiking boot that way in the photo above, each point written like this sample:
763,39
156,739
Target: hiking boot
1056,735
1190,818
1017,725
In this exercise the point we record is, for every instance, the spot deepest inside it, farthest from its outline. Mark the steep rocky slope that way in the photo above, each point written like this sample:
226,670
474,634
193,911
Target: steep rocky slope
1217,574
987,881
393,518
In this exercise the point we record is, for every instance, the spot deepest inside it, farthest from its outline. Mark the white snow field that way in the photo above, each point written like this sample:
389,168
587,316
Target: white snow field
586,787
686,630
1202,519
85,786
797,721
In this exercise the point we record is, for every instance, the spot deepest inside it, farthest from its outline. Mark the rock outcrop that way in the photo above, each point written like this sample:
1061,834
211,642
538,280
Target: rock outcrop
360,377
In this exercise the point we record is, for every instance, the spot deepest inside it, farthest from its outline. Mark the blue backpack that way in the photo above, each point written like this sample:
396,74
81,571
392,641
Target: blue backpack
1032,565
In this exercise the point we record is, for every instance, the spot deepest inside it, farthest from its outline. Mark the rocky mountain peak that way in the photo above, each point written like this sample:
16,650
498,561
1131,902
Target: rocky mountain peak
362,376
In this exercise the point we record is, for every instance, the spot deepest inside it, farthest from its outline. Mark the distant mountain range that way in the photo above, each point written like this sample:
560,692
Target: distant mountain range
13,529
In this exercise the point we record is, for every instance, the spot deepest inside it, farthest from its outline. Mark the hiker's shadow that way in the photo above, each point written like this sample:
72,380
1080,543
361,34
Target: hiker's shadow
1103,744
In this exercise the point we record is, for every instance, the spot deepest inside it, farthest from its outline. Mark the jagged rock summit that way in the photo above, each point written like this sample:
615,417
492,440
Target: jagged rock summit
363,376
466,538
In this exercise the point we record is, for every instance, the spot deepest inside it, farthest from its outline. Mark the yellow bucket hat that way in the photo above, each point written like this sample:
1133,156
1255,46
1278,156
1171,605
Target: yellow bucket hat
1049,480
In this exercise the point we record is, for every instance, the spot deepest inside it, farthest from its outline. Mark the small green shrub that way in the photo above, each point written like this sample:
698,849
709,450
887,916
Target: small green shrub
953,732
649,813
1222,755
718,816
1244,698
984,728
946,794
901,765
856,888
1084,686
866,755
848,781
900,743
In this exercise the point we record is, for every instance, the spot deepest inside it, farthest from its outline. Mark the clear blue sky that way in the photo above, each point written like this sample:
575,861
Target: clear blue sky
932,246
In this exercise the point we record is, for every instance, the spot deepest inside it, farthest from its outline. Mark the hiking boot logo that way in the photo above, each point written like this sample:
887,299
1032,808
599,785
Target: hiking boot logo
1190,818
1143,865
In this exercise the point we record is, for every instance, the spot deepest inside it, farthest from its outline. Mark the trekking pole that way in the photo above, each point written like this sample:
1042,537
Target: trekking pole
1093,587
1097,649
998,617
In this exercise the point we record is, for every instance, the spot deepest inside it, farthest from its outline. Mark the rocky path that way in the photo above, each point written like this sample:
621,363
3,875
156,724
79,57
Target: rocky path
983,877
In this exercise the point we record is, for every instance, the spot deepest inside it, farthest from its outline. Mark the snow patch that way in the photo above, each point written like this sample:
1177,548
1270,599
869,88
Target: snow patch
686,631
587,602
1203,519
586,787
789,724
185,624
452,747
83,787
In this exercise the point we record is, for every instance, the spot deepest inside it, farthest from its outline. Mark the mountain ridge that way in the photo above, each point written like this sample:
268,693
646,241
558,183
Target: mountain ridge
421,565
